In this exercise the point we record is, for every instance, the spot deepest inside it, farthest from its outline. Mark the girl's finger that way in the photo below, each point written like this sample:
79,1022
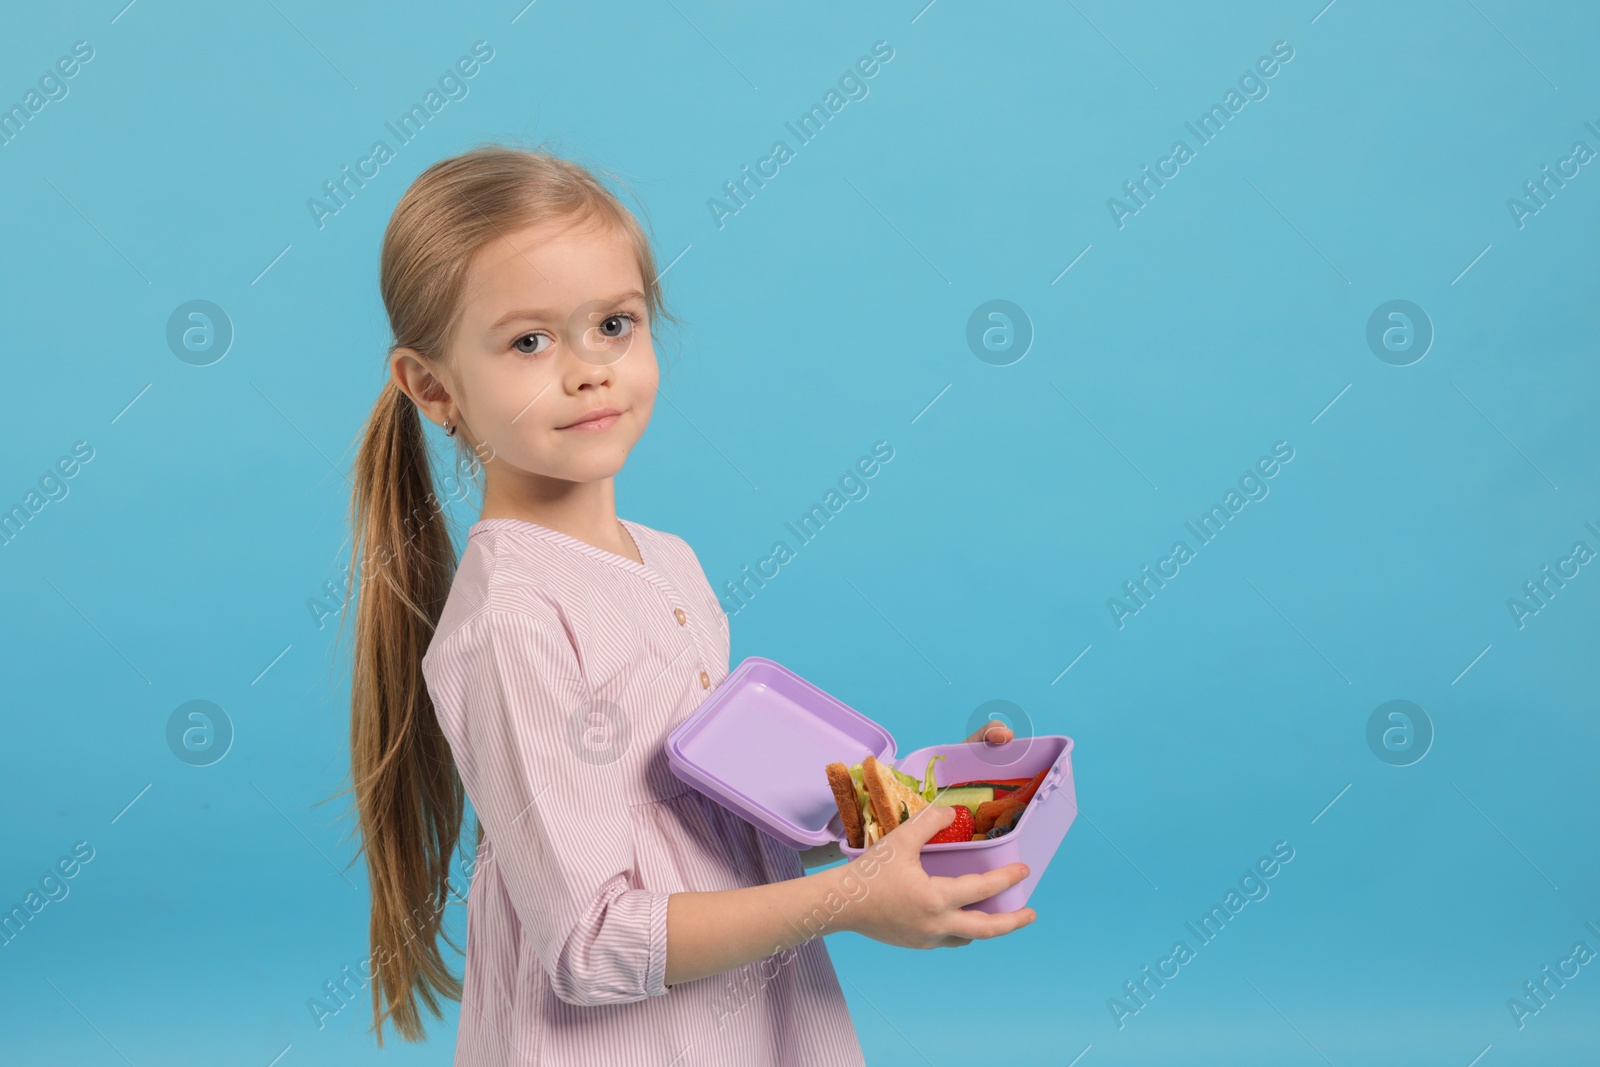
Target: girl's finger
923,825
994,732
982,924
967,889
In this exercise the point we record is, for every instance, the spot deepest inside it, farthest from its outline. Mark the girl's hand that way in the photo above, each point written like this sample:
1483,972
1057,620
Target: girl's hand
890,898
994,731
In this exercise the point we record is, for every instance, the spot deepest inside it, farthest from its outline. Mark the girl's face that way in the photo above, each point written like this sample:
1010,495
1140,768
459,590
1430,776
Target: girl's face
554,328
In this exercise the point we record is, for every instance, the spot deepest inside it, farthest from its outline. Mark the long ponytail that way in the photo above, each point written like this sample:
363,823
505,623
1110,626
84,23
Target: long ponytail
409,797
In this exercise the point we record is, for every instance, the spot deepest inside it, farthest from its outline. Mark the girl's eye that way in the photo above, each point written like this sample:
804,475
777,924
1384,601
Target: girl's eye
611,328
529,339
614,326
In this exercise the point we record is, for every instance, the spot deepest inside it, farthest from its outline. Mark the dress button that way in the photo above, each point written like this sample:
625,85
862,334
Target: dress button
678,614
705,680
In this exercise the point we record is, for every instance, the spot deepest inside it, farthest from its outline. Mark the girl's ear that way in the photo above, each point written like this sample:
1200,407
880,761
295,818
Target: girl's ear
414,375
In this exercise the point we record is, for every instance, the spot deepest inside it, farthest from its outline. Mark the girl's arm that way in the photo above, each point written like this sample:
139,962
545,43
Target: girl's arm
883,893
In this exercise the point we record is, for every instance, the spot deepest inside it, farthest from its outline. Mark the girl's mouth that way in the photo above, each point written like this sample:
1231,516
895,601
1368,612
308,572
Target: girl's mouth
594,425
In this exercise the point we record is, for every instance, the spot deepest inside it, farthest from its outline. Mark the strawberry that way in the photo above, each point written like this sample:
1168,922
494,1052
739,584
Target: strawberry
960,828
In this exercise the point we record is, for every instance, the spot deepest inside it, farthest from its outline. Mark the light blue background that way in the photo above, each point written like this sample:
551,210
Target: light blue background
826,315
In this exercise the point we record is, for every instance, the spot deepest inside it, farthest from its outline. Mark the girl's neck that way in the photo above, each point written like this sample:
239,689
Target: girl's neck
584,510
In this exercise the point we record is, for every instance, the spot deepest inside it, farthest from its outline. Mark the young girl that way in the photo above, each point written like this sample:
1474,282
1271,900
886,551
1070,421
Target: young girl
616,915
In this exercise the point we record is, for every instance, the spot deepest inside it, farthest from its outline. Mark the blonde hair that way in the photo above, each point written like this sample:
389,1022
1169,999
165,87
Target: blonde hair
409,797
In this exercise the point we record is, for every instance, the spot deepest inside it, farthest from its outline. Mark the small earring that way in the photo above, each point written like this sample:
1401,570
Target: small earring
448,432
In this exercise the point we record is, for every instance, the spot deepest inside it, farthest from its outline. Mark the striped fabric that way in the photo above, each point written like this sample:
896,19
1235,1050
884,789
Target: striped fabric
557,671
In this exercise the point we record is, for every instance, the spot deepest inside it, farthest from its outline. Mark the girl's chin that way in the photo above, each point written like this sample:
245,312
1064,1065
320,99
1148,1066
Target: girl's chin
592,464
603,463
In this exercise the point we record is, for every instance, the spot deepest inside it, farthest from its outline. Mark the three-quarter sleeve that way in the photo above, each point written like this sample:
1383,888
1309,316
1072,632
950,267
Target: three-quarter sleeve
531,747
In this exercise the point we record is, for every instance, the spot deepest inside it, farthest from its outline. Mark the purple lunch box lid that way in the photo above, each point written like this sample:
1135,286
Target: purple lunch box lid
758,745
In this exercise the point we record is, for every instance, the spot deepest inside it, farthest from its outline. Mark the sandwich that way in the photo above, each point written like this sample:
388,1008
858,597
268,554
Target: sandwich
874,798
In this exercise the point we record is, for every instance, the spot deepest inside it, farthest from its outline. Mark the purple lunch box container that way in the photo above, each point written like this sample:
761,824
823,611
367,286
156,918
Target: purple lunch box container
758,745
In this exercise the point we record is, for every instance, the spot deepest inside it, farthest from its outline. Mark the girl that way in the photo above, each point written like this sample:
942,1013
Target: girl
542,674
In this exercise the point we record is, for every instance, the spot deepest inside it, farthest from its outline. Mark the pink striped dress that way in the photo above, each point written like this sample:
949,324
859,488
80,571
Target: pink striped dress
557,671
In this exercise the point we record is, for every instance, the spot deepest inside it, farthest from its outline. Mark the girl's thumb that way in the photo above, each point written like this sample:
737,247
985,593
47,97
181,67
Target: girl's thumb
927,824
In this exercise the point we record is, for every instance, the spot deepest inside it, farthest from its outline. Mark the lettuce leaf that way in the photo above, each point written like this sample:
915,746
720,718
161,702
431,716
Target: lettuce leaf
924,787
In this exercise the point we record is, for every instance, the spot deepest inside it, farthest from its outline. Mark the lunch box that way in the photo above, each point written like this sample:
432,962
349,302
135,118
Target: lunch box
758,745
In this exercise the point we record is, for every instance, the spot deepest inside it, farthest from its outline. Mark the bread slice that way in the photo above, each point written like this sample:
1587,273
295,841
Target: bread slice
892,802
844,794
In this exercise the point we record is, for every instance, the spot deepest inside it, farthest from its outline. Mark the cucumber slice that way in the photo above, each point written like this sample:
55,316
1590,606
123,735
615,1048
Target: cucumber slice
969,796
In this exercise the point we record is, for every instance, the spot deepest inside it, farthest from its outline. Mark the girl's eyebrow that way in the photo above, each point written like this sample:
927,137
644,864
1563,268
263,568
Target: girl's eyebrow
545,314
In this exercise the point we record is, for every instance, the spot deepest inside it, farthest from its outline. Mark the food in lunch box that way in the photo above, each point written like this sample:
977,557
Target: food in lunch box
966,795
1004,811
874,798
960,828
